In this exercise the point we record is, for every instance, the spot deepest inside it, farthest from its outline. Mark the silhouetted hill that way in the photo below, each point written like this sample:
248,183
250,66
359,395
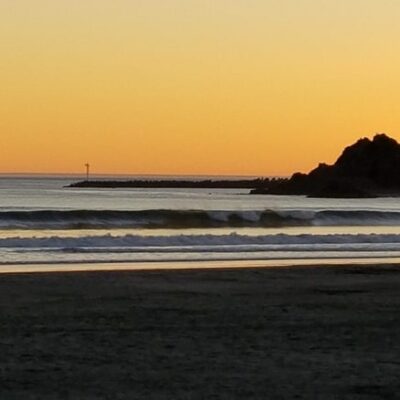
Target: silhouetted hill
368,168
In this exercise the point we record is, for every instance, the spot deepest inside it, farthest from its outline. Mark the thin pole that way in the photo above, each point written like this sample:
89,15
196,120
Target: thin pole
87,171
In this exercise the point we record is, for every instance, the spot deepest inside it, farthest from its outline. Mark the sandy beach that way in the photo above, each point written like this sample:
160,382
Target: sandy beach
274,333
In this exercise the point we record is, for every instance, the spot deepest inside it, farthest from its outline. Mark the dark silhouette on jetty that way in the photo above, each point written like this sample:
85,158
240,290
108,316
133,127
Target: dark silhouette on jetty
368,168
180,184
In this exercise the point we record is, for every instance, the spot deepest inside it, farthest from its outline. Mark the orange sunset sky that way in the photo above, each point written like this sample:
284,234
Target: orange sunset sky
256,87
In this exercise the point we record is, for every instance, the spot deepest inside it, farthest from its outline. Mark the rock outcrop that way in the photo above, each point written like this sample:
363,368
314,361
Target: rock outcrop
368,168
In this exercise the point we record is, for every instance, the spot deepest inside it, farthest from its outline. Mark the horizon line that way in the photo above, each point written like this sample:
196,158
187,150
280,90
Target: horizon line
99,174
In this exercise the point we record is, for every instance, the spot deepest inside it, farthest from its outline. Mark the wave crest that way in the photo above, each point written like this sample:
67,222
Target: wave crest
197,241
181,219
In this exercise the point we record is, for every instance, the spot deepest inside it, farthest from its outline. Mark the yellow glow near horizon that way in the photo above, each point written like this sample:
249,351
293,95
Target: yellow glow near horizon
256,87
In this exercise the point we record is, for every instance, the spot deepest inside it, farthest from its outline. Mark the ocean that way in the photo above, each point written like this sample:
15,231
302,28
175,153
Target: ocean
43,222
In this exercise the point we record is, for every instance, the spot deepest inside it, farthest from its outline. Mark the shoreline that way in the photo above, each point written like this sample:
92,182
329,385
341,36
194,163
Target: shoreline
41,268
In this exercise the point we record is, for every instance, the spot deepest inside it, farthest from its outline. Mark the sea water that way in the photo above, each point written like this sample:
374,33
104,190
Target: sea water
42,221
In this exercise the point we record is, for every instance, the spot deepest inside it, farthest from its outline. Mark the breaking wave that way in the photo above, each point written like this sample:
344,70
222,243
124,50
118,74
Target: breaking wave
207,242
180,219
206,247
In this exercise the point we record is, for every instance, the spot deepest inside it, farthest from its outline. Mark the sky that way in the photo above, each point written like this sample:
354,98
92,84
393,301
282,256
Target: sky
225,87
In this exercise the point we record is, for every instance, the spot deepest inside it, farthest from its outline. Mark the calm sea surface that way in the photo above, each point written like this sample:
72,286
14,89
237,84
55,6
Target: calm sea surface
41,221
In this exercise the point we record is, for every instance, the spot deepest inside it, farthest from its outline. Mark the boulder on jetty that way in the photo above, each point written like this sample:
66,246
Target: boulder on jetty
368,168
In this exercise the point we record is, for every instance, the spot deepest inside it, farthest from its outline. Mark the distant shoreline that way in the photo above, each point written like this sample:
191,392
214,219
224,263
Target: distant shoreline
179,184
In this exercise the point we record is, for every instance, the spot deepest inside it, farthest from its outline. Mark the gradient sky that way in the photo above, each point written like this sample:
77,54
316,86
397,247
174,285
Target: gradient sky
257,87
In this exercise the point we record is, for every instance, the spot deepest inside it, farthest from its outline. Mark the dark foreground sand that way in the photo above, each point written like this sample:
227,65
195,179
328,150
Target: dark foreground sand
287,333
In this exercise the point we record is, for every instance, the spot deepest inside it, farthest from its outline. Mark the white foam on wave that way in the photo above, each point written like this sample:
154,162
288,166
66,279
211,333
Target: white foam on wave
136,248
228,242
182,219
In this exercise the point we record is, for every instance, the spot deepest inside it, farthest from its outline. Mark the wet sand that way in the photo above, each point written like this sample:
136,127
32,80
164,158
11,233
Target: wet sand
255,333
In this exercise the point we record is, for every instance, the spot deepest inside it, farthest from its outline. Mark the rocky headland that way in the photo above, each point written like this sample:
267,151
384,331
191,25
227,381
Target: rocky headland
368,168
